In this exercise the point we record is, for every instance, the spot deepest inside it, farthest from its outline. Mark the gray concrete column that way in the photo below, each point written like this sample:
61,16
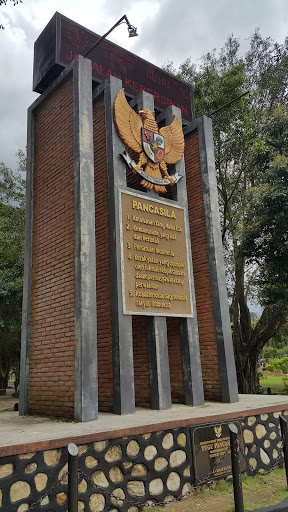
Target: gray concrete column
27,284
192,373
86,384
158,363
160,389
123,369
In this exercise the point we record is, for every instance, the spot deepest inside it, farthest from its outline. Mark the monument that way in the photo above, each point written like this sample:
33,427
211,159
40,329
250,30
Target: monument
125,306
125,300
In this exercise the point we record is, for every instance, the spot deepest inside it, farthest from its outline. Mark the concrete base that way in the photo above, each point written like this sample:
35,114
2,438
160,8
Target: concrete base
20,434
143,457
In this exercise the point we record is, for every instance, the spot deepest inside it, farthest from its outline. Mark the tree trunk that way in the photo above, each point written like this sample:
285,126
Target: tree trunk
4,376
248,342
247,374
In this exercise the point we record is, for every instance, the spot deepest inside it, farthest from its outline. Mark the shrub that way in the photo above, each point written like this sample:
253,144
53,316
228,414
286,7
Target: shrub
284,390
269,352
284,364
269,367
279,364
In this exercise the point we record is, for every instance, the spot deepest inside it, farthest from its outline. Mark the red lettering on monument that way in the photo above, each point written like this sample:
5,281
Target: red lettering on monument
157,79
94,66
136,86
71,56
128,83
137,75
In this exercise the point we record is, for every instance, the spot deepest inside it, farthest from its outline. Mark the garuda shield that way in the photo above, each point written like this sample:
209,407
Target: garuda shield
153,145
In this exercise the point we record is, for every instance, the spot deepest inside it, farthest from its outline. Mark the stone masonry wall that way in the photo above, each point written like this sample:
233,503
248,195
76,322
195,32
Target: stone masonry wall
143,468
262,440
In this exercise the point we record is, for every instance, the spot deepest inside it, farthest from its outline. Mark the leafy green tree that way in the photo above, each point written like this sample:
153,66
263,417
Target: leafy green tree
12,220
265,234
250,139
280,341
264,241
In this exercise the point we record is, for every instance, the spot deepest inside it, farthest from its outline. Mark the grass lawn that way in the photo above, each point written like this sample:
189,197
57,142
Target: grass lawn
275,383
258,491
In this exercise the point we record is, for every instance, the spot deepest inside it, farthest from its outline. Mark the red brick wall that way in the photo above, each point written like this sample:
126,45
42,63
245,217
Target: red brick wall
103,297
51,383
203,292
175,361
141,362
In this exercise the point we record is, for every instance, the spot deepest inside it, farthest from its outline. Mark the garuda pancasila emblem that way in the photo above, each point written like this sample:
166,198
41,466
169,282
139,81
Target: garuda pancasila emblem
154,148
218,430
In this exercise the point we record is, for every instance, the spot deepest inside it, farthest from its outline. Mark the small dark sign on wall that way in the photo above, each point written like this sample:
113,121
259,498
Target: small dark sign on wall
62,40
210,445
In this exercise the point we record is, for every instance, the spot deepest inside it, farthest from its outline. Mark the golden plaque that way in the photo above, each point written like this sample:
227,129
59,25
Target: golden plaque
155,269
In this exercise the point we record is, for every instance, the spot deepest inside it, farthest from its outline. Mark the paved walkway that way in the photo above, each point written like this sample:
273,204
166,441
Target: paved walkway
19,430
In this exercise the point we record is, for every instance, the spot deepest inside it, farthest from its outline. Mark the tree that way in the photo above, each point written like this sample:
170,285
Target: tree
4,2
250,138
264,243
12,220
265,235
279,342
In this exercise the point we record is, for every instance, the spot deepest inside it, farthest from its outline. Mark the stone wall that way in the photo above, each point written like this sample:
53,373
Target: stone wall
262,441
143,468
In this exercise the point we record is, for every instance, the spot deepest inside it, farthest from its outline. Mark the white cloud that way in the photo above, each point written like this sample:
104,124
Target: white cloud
189,28
168,30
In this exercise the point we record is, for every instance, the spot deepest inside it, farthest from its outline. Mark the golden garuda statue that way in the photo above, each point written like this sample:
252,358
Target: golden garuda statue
154,148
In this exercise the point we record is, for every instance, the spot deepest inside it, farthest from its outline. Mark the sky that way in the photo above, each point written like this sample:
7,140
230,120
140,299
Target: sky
168,30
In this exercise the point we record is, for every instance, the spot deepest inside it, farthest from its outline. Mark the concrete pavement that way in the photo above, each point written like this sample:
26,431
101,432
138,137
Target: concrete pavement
17,430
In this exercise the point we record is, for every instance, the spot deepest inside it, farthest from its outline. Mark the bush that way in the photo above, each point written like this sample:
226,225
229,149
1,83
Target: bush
279,364
284,390
269,367
284,364
269,352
